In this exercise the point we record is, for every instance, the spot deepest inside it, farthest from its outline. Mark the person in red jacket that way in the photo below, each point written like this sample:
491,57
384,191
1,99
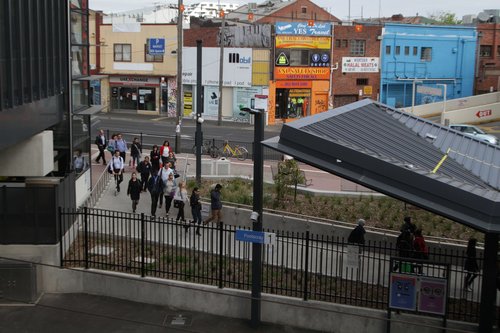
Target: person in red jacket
164,150
420,248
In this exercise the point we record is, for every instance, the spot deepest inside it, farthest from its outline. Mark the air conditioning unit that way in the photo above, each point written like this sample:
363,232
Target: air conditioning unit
18,282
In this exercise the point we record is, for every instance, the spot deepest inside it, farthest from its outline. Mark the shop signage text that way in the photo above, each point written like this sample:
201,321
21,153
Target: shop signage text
303,42
302,73
360,65
302,28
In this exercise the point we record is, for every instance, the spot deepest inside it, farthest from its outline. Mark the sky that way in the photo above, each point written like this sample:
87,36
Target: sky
339,8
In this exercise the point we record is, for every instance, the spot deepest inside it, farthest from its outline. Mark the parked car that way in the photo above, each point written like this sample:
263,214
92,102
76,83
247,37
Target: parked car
475,132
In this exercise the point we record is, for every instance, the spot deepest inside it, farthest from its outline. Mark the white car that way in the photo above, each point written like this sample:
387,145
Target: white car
475,132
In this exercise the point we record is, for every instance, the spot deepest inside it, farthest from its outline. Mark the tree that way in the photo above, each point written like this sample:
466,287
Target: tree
289,175
447,18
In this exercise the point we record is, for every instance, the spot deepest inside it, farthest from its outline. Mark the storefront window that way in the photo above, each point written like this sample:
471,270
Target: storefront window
147,99
81,144
80,95
79,61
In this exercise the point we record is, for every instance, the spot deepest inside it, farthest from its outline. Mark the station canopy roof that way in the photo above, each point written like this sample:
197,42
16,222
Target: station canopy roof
403,156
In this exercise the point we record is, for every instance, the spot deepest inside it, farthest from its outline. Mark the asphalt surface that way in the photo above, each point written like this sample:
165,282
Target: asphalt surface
85,313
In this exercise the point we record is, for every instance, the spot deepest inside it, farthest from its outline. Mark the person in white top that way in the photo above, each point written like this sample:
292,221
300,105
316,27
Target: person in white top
180,200
117,166
164,173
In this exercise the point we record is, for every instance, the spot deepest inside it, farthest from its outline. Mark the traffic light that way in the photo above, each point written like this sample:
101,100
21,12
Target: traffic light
221,13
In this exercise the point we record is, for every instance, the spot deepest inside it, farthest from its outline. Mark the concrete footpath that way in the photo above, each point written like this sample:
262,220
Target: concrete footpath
82,313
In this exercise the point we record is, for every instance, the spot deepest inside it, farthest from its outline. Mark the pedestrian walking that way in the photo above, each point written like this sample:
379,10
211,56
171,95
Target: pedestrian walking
357,235
111,147
144,168
404,245
101,143
169,189
165,171
134,190
121,146
470,265
420,248
135,152
155,188
155,158
117,166
164,150
215,205
180,200
171,159
408,225
194,202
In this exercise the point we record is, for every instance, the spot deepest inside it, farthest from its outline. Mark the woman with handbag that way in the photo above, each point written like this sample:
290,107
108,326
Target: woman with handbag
169,189
180,199
134,190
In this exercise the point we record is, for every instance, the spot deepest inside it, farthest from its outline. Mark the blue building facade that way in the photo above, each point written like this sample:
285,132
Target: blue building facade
419,63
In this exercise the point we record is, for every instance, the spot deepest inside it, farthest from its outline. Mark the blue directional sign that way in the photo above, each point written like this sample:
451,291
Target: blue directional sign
256,237
156,46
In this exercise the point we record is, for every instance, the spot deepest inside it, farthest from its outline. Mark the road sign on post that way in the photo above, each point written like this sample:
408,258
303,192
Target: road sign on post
256,237
156,46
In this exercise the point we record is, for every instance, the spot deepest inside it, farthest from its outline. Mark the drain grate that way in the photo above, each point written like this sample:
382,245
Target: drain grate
178,320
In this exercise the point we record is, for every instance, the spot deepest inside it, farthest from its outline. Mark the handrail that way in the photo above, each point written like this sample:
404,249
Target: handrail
98,189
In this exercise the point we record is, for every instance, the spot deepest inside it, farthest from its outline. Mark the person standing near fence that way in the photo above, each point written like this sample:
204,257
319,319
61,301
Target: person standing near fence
155,188
169,189
215,204
470,265
194,202
134,190
135,152
101,143
420,248
144,168
357,235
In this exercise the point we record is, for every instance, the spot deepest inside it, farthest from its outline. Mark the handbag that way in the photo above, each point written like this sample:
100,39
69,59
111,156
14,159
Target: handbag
178,203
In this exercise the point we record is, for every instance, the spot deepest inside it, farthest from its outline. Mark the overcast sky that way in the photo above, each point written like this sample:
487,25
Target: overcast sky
339,8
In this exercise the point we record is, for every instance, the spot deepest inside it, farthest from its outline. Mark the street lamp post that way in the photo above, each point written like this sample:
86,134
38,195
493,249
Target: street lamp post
179,110
258,194
443,120
199,111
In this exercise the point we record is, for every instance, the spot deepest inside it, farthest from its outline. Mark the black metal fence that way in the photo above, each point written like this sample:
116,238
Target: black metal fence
187,144
304,265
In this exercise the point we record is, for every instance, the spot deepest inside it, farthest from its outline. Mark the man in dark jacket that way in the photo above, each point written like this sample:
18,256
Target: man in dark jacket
102,143
357,236
155,188
216,205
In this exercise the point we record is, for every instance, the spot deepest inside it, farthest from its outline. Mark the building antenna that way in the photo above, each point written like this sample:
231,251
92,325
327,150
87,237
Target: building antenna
349,12
379,8
361,12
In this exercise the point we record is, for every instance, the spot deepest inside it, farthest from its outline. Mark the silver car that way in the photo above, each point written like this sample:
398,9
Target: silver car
475,132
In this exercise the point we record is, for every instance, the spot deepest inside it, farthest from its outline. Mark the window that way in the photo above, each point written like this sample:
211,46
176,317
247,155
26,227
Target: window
357,47
337,43
415,50
303,10
151,58
344,42
397,50
299,57
361,82
387,49
407,50
123,52
485,51
426,54
498,51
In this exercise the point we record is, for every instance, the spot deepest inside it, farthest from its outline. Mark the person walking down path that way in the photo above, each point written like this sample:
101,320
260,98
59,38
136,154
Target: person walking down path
101,143
215,205
169,189
408,225
134,190
121,146
112,144
164,174
357,235
420,248
144,168
117,165
135,152
155,158
194,202
470,265
180,200
164,150
155,188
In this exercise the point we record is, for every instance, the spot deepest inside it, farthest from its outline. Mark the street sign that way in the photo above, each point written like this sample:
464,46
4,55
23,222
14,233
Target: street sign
156,46
483,113
256,237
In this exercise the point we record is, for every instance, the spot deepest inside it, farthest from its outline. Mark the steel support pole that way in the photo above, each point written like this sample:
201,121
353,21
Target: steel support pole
221,67
258,194
199,110
179,79
488,288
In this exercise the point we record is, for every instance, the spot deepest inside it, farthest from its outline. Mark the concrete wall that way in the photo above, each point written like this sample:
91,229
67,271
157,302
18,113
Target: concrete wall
33,157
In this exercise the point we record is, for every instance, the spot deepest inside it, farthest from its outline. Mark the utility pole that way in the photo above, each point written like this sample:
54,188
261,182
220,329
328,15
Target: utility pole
221,63
180,95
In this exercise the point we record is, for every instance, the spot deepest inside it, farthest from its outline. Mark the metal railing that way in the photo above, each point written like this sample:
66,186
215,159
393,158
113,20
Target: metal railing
304,265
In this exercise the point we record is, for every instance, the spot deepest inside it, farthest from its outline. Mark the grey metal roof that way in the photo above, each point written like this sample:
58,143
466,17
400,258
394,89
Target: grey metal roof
395,153
260,10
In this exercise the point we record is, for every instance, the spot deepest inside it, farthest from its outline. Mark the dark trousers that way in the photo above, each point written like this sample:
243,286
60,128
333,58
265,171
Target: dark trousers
154,202
144,180
180,213
196,215
123,154
101,155
168,203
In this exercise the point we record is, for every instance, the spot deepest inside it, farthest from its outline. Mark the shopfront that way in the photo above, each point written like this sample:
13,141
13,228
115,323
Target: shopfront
138,93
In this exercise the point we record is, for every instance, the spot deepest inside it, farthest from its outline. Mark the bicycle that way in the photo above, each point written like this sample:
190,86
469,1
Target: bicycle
240,152
208,148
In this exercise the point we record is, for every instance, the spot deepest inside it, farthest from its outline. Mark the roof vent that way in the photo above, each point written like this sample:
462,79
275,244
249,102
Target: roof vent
430,136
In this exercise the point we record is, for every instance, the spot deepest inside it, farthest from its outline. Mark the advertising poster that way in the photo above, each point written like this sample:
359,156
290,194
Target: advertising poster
188,103
403,292
211,102
432,298
244,98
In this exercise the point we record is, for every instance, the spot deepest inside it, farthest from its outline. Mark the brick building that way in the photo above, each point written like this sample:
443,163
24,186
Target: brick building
355,61
488,60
